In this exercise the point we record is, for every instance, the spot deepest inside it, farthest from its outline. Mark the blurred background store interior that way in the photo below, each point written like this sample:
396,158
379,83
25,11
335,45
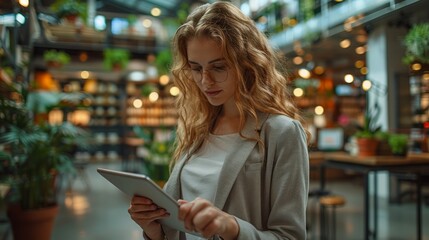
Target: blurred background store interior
105,70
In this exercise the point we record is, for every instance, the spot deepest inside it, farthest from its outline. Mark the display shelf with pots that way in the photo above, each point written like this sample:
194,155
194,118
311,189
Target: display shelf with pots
150,106
106,118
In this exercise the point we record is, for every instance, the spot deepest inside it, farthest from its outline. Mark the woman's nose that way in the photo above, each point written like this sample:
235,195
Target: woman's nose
206,77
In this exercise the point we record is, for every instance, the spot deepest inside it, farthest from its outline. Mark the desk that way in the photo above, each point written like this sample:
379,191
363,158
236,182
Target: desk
412,163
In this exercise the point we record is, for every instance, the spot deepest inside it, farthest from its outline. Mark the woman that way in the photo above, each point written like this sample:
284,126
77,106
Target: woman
241,162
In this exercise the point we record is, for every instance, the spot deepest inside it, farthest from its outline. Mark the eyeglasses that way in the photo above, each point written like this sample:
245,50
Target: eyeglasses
218,72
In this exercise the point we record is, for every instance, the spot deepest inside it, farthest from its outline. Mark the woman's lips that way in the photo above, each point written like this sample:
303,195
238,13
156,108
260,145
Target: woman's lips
213,93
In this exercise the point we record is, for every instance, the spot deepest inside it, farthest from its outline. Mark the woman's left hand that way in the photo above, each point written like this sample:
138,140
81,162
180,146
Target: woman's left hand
202,216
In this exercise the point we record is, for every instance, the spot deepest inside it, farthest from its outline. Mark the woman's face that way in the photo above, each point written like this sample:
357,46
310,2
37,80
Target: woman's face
211,72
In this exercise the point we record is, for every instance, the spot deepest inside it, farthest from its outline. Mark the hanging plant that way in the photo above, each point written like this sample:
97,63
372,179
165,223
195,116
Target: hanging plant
70,9
417,44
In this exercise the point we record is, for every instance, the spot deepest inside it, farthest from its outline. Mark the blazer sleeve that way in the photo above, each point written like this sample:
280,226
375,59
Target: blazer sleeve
288,171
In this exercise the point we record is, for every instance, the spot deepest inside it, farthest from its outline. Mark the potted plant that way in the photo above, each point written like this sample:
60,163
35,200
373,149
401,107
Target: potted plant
366,137
417,44
116,58
70,10
56,58
398,143
32,156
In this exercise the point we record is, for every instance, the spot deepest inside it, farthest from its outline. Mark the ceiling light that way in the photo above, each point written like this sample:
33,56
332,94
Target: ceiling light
155,12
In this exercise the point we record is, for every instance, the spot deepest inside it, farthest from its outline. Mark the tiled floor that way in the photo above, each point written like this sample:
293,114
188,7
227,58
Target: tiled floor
100,213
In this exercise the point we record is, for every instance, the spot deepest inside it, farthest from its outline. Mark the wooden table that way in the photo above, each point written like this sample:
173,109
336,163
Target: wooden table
417,164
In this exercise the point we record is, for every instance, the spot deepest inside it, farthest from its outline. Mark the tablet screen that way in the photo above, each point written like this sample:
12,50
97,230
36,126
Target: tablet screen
138,184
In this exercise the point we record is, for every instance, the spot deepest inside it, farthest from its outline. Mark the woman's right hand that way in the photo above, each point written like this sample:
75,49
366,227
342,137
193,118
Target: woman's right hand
145,213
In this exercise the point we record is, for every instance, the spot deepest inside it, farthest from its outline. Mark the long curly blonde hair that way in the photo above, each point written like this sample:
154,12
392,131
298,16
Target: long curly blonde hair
261,81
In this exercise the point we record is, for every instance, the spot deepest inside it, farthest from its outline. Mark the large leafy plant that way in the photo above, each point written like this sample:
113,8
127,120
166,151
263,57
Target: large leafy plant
417,44
34,153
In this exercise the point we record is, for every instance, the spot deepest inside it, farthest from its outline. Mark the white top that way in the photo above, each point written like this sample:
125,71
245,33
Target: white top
204,168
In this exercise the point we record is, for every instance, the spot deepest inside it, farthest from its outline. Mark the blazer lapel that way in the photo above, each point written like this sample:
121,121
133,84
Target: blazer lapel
175,189
236,160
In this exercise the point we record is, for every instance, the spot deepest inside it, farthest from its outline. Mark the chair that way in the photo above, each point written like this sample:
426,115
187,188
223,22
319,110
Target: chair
328,205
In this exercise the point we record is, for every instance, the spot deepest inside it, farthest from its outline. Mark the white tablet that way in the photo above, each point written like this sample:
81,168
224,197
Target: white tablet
139,184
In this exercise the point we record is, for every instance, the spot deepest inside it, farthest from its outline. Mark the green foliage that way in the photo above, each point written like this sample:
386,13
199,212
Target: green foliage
64,8
398,143
159,144
116,58
33,153
417,44
163,61
57,56
368,129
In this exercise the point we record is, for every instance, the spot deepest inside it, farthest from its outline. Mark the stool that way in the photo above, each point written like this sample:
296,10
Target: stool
328,220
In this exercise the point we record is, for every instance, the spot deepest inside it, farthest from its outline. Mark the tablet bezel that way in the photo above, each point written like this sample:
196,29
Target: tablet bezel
139,184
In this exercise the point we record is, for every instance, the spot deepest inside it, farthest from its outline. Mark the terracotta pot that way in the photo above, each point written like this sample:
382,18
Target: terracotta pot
32,224
367,146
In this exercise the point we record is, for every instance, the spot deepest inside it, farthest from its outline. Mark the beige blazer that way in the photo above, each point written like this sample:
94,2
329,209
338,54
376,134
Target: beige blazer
267,193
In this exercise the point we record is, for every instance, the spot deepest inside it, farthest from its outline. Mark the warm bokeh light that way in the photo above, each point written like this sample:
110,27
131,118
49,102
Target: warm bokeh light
137,103
319,70
416,66
359,64
84,74
297,60
164,80
298,92
366,85
153,96
425,77
360,50
24,3
155,12
147,23
318,110
364,71
348,78
304,73
174,91
345,43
